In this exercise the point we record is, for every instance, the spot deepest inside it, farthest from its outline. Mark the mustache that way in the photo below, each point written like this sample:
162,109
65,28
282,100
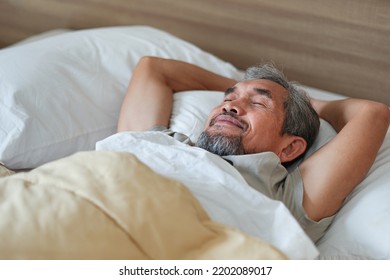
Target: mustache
243,124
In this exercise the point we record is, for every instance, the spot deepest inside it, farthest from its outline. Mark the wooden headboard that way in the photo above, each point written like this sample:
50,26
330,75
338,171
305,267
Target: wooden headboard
339,46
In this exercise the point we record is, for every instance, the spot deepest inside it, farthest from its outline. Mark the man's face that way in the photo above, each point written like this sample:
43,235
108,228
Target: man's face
251,115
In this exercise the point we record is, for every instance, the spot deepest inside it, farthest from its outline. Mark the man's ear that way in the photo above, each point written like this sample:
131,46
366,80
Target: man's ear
294,146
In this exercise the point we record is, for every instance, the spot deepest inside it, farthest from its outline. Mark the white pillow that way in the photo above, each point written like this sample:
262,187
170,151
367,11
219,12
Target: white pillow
62,93
191,110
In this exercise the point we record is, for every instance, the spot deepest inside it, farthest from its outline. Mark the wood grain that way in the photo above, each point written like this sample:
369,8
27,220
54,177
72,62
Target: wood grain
340,46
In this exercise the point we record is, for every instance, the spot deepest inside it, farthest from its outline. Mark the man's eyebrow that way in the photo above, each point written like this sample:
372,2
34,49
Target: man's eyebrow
267,93
263,91
230,90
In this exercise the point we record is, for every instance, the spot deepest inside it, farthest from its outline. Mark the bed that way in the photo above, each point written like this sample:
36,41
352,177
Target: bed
71,189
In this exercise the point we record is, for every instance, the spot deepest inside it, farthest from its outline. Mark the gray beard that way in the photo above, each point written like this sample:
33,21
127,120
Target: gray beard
219,144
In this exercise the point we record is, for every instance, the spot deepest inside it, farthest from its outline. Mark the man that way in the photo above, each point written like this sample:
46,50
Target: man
259,115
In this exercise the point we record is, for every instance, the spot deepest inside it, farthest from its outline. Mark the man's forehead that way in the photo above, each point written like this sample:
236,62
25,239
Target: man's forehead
264,87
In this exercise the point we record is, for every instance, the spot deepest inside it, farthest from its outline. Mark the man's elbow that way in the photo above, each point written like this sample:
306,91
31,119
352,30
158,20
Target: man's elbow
382,112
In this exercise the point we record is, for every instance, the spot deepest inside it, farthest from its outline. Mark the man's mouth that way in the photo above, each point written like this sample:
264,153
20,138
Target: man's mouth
227,119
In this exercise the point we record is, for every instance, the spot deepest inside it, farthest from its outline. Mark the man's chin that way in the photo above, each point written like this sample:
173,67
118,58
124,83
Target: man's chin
220,143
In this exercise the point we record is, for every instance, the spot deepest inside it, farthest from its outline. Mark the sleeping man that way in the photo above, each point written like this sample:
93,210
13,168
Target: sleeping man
263,123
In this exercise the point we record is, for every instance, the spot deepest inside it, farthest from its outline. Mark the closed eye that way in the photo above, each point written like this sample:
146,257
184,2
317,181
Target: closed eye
259,104
262,104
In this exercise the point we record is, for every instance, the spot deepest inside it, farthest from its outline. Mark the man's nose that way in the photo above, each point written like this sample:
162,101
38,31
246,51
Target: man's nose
234,106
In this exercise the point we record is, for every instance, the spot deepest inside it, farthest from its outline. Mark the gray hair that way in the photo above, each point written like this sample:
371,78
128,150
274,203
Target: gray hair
300,117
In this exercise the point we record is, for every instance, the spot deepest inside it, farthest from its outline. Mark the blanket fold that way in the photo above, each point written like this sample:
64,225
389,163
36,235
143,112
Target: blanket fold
109,205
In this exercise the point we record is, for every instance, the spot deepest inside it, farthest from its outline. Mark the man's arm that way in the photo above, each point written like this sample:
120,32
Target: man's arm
149,98
330,174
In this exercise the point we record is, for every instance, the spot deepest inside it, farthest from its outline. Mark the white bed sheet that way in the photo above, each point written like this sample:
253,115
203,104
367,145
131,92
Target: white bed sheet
219,187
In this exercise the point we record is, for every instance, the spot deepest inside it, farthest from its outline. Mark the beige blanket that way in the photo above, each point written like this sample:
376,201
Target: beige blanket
108,205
